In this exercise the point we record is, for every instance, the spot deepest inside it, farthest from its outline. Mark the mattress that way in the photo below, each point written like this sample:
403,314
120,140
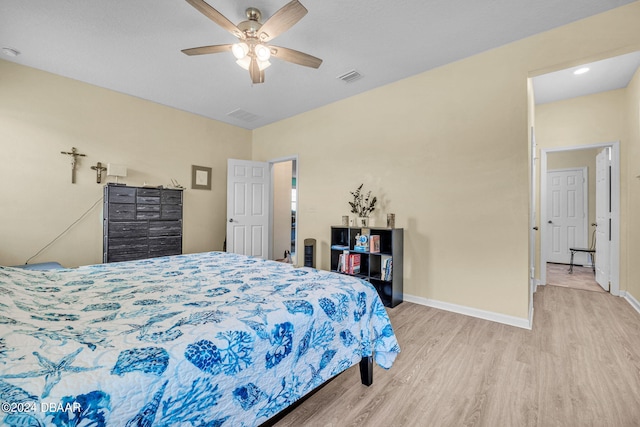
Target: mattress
189,340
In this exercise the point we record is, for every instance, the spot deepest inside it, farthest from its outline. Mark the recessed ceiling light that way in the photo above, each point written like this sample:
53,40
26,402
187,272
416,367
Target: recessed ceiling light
581,71
10,52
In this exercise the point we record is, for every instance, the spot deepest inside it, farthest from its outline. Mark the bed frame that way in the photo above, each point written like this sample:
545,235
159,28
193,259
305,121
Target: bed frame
366,377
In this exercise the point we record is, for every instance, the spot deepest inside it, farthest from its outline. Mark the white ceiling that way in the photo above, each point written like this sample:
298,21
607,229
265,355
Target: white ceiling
133,46
608,74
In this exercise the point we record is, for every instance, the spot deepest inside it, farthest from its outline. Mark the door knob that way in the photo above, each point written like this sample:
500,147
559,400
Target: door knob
550,222
230,219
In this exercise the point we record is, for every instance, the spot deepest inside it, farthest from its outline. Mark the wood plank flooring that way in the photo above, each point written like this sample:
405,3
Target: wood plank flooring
581,278
578,366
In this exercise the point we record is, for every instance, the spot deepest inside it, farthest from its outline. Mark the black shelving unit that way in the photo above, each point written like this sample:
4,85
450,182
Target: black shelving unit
371,263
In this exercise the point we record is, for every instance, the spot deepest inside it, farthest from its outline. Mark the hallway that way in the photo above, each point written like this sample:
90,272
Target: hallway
582,277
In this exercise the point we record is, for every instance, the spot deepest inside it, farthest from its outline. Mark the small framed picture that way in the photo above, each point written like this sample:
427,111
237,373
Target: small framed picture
200,177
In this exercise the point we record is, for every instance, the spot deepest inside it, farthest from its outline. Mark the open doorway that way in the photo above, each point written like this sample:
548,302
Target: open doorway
284,208
574,109
606,229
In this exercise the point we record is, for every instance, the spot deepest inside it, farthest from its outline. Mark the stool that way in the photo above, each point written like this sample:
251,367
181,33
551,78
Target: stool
589,251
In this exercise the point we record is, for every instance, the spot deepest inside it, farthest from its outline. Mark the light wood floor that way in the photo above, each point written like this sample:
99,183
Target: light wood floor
581,278
579,366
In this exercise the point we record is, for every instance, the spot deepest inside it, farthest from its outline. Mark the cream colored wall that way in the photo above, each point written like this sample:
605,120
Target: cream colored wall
633,188
447,152
586,120
42,114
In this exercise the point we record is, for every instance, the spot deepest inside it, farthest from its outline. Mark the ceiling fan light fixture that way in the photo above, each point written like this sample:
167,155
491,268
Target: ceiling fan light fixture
263,65
240,50
263,53
244,62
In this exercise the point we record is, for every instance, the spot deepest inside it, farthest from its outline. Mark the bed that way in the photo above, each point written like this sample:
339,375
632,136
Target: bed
205,339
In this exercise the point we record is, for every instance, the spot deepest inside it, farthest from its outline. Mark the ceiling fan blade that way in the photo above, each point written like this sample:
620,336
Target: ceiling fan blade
257,76
203,50
296,57
285,18
216,17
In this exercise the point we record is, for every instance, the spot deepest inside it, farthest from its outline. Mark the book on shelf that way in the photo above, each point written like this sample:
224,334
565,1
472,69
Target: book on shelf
386,270
374,243
345,261
348,263
354,264
340,247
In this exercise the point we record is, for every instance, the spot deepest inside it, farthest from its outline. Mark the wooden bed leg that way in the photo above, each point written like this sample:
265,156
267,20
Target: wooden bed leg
366,370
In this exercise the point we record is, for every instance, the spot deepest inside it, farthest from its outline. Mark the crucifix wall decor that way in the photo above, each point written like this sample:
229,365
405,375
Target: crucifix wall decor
74,159
99,169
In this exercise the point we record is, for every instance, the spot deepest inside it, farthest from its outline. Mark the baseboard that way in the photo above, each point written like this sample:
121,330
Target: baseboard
631,300
473,312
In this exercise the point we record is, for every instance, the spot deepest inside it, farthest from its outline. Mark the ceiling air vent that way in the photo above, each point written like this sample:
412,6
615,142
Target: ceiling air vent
350,76
243,115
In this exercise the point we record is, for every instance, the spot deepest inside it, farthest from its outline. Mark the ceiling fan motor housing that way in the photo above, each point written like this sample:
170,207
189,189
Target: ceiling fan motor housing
252,25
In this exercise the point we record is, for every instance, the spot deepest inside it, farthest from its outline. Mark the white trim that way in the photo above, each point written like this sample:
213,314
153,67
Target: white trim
615,210
533,229
631,300
519,322
614,270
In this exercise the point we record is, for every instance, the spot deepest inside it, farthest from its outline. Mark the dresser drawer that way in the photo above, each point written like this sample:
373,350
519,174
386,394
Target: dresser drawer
127,229
121,194
171,212
148,192
148,212
148,200
118,257
161,246
121,249
118,211
165,228
171,197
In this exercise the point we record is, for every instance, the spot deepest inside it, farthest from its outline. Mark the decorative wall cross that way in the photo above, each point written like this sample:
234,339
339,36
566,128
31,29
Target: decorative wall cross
74,158
99,169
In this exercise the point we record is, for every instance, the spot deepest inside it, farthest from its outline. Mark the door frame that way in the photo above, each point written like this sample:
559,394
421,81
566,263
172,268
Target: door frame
603,207
585,202
294,159
615,210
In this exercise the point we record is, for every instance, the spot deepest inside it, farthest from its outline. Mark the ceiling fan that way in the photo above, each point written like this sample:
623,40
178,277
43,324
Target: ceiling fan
251,51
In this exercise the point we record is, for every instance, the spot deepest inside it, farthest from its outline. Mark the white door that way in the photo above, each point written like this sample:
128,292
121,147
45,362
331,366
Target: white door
566,215
248,208
603,218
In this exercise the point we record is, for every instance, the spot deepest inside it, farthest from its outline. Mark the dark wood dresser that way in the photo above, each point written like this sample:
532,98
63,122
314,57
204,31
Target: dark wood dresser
141,222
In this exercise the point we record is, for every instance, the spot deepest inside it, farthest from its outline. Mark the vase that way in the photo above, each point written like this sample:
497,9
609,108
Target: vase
363,221
391,220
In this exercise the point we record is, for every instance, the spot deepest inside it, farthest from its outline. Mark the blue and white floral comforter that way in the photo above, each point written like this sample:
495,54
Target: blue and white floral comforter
193,340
